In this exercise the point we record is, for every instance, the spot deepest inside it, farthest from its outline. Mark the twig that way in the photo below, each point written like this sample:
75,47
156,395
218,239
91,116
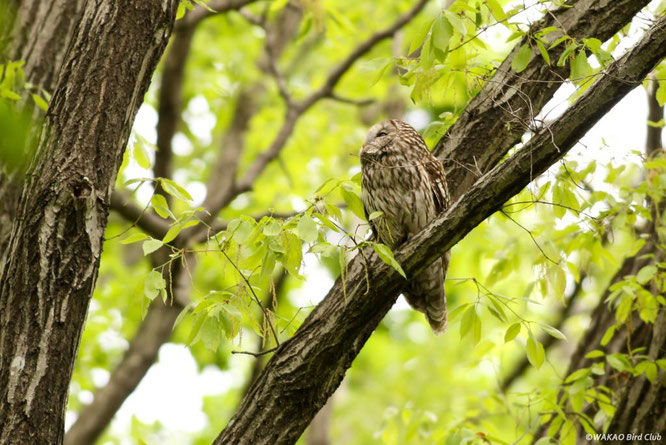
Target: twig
256,354
254,295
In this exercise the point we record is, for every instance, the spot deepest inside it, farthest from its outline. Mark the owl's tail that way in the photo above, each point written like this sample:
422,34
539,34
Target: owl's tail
426,294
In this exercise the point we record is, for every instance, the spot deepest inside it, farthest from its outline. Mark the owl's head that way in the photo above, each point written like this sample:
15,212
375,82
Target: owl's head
379,139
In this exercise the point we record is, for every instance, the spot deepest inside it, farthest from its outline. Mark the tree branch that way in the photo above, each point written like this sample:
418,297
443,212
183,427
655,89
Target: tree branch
307,368
170,103
497,116
294,112
199,13
149,222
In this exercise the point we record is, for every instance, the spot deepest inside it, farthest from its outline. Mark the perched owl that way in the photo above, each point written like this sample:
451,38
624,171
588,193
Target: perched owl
404,181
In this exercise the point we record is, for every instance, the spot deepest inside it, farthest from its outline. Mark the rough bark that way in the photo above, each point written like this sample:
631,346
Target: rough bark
56,242
508,104
32,37
307,368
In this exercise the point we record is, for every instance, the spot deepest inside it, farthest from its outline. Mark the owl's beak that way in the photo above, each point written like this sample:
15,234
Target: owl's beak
369,151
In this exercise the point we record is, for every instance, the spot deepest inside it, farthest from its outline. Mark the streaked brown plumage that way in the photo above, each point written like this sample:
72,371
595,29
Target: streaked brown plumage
403,180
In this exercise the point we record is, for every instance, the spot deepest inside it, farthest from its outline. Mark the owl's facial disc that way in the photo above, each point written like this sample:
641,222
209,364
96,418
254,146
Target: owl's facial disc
378,138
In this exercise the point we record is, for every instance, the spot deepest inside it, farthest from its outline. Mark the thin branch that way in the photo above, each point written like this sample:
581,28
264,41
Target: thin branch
254,295
258,353
149,222
199,13
350,101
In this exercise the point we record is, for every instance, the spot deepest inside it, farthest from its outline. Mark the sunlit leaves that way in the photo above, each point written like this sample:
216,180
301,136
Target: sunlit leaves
536,353
175,190
307,229
521,59
471,323
579,66
512,332
151,245
386,255
496,10
353,200
646,274
154,284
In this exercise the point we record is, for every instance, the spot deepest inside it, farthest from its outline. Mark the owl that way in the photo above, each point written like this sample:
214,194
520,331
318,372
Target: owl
404,181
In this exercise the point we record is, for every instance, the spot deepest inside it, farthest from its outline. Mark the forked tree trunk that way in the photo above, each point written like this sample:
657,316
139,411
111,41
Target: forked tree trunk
56,240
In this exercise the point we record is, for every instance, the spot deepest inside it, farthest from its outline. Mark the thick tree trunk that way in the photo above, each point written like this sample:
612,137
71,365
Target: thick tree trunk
307,368
38,33
56,242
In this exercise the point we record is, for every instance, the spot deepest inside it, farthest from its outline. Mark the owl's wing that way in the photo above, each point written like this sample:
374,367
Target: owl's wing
440,191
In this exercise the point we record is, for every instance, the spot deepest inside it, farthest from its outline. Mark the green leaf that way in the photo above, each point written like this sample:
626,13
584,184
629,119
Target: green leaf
457,311
294,255
198,321
646,274
578,374
580,68
521,59
619,362
496,10
420,36
151,245
353,202
276,5
153,284
160,206
594,354
535,351
134,238
272,228
386,255
307,229
242,232
544,52
567,52
512,332
608,335
175,190
456,21
140,155
375,215
172,233
41,103
441,33
553,332
467,321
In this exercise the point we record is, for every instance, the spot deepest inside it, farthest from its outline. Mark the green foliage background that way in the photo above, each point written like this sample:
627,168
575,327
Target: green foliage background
509,279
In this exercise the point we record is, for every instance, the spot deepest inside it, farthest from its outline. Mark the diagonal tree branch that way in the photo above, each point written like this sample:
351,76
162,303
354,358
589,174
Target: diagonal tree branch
307,368
508,103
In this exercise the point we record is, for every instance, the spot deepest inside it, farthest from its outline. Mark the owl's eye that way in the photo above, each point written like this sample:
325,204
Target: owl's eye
382,133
